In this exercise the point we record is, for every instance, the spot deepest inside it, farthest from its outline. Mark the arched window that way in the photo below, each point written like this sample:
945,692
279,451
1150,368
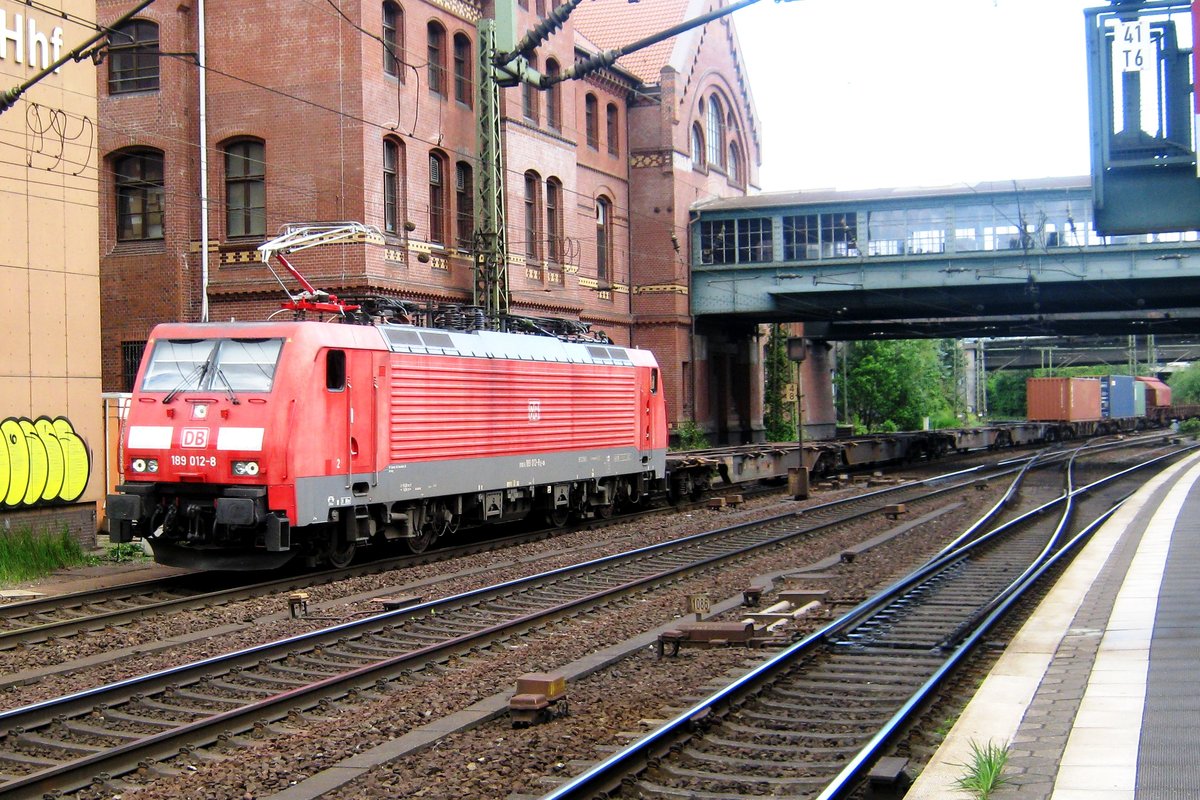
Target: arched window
603,238
393,184
591,121
132,57
715,135
393,39
697,147
437,198
533,213
464,205
735,165
554,220
138,179
464,70
245,188
529,96
613,130
553,97
436,56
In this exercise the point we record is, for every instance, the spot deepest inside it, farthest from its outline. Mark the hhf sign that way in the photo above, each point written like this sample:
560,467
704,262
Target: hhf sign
28,44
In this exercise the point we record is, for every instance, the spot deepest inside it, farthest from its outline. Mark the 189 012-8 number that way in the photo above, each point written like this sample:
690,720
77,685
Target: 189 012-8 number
193,461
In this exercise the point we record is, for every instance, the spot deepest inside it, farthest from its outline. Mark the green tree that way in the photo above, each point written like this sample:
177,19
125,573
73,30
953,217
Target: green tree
894,385
779,372
1185,385
1006,393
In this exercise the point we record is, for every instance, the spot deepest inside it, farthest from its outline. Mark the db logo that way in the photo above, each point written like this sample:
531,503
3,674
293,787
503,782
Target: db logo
193,437
535,410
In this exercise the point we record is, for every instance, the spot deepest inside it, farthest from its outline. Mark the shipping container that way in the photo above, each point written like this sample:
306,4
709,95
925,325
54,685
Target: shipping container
1062,399
1157,393
1116,397
1139,399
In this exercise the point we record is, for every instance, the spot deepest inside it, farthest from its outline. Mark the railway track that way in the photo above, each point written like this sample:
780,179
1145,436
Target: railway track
810,721
30,622
72,741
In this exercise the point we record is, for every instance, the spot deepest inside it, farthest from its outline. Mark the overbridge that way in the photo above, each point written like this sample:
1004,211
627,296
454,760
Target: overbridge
1019,258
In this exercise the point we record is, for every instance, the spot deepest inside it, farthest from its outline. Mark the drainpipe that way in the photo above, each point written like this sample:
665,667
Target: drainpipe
203,162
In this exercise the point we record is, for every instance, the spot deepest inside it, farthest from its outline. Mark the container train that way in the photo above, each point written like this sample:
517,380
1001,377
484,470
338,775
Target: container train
250,444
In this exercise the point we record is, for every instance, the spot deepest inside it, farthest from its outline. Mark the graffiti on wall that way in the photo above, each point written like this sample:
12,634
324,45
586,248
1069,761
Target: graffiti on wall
42,461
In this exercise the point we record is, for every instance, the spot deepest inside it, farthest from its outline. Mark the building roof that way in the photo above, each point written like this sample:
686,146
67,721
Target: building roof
831,196
614,23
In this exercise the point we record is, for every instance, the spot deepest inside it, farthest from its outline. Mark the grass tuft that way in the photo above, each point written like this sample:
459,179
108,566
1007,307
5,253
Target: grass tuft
984,774
25,556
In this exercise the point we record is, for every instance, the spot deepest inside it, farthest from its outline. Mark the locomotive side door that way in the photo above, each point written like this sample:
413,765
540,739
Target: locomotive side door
653,423
351,417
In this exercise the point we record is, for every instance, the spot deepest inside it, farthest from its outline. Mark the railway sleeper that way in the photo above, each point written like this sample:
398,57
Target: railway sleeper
715,781
745,765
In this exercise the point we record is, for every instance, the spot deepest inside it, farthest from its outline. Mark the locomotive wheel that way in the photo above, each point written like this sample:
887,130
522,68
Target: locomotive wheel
420,543
558,517
340,555
605,511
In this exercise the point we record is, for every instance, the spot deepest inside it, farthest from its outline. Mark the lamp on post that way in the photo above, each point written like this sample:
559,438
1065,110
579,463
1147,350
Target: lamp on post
797,349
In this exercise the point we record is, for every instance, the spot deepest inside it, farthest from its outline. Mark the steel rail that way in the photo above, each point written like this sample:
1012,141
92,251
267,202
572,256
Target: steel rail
125,757
608,774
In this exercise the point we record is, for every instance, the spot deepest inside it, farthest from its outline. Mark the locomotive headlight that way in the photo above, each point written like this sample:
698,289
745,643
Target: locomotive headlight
245,468
151,465
138,465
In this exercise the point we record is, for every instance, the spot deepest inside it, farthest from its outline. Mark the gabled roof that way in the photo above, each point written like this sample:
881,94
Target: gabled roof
615,23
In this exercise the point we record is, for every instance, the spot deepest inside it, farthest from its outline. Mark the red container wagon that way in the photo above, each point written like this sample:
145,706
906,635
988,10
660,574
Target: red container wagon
1158,394
1062,399
250,443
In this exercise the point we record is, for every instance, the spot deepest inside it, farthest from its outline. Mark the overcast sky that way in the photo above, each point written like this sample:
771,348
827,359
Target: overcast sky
882,93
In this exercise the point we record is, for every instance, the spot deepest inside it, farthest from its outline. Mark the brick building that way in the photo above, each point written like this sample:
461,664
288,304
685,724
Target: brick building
366,111
51,425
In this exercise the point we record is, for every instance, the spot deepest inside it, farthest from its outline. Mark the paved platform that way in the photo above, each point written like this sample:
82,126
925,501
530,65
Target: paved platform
1098,696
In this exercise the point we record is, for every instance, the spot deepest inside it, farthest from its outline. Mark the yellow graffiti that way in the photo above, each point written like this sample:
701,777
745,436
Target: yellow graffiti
41,461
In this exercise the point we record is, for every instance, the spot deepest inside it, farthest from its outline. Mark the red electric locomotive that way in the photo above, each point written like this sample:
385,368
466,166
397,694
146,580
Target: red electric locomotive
248,444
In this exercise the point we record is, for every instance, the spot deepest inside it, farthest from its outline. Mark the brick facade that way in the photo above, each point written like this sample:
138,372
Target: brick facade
311,88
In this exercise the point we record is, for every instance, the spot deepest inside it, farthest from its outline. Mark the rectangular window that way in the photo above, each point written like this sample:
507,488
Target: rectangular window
886,233
591,122
132,57
839,235
195,365
718,242
131,359
391,186
754,240
801,238
391,38
245,189
437,202
614,131
464,70
464,205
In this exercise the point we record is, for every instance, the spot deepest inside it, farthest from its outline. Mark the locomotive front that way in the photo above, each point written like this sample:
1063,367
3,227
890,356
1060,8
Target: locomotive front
197,457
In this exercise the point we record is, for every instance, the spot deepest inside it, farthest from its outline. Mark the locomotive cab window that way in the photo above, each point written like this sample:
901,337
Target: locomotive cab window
653,381
335,370
202,365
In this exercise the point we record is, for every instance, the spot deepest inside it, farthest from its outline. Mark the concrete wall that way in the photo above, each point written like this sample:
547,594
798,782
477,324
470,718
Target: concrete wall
50,412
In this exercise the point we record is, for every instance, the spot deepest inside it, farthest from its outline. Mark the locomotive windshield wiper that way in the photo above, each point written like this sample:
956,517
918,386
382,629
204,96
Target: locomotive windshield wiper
196,375
233,398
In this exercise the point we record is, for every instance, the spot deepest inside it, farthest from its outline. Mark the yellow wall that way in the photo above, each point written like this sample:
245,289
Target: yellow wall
49,264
